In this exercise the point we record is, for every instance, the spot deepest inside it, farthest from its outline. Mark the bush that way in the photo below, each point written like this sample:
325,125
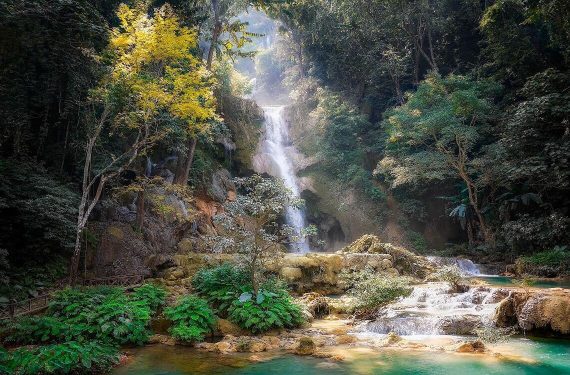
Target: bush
377,291
154,296
69,357
192,319
40,329
90,314
104,313
450,274
221,285
372,290
265,311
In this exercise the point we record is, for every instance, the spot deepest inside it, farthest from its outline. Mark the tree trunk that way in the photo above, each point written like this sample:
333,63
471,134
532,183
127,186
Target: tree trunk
216,32
185,163
474,200
74,266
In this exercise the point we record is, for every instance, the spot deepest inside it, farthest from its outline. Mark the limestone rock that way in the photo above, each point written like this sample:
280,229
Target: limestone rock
225,327
185,245
461,324
221,186
476,346
291,273
224,347
345,339
536,310
305,346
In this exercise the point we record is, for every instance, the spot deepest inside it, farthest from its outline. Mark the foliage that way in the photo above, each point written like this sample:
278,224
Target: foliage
452,275
269,308
153,295
555,261
221,285
37,210
192,319
69,357
82,329
372,290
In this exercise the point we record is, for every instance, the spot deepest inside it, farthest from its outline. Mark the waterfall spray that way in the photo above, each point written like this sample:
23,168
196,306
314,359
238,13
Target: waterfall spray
276,136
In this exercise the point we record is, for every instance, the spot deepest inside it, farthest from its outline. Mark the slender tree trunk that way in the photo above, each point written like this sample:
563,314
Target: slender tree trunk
216,32
185,163
433,63
474,200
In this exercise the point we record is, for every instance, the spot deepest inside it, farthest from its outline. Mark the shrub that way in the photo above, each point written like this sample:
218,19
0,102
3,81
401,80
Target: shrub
104,313
450,274
69,357
549,263
377,291
221,285
39,329
154,296
192,319
266,310
372,290
101,314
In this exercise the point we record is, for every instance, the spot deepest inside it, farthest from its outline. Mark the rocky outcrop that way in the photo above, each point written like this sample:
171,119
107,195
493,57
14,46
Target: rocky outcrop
402,259
476,346
536,311
312,272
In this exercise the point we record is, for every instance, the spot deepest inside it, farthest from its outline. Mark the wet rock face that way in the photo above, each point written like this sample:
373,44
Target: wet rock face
538,310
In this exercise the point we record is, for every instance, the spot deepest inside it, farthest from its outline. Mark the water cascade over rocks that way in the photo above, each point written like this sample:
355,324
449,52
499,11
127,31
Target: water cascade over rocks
273,159
467,267
432,309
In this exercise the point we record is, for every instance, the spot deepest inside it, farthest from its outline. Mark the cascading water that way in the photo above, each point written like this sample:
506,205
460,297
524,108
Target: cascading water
433,310
467,267
274,147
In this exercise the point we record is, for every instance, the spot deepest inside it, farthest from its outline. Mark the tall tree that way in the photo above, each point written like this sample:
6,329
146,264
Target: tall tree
152,72
437,135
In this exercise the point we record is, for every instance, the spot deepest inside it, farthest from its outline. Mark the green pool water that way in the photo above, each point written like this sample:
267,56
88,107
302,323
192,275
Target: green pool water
528,357
507,281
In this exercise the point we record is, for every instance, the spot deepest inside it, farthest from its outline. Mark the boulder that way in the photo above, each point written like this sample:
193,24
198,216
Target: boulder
537,310
461,324
221,186
403,260
305,346
225,327
224,347
476,346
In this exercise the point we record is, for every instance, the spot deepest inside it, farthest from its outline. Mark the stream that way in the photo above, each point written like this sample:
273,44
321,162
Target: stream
431,318
520,356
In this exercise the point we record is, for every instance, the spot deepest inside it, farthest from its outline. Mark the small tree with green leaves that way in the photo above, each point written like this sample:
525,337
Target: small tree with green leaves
250,225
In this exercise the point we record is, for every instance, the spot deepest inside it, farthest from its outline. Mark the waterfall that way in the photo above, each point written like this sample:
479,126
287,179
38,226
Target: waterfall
467,267
433,310
274,147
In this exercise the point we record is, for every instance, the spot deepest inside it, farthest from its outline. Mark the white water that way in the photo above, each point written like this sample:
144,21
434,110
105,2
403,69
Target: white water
467,267
274,147
432,310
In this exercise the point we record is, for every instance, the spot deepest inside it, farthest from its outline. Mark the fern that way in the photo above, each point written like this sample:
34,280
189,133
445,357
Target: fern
191,318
